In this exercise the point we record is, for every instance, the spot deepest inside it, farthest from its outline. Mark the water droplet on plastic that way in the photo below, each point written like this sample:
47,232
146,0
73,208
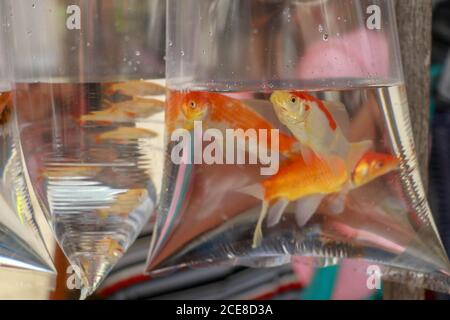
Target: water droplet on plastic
138,53
325,37
33,6
182,53
170,43
320,28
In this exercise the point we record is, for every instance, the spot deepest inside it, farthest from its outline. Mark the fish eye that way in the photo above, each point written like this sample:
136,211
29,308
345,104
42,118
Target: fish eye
192,104
294,99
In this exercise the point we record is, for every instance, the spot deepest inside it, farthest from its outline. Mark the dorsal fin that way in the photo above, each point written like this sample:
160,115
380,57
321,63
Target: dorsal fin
340,115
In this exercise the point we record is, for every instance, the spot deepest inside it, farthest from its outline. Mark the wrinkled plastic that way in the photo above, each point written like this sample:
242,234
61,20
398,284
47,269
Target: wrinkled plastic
22,246
327,78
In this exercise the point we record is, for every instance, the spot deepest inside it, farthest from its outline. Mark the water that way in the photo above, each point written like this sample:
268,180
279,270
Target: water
208,216
94,156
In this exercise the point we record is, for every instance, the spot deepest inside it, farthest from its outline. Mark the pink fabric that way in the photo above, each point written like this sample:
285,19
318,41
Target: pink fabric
361,53
351,283
304,269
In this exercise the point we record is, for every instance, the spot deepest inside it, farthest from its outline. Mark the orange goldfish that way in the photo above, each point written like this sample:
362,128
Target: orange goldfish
315,124
124,203
125,111
125,135
136,88
309,183
220,112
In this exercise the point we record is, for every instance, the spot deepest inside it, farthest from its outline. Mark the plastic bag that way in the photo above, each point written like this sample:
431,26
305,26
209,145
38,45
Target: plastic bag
277,150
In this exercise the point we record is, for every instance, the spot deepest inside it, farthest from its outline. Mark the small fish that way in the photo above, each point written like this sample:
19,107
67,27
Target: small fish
315,124
125,111
115,249
139,107
135,88
308,184
70,172
125,135
220,112
108,116
124,203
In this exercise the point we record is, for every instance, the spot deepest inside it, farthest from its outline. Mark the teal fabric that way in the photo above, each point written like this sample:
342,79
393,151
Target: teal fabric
322,284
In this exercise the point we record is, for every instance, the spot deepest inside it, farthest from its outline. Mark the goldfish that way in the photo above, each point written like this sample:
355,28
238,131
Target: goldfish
70,172
309,183
220,112
124,203
125,134
115,249
315,123
136,88
125,111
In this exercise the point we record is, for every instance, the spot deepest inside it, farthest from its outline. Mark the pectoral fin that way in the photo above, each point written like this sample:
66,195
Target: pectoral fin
276,212
306,207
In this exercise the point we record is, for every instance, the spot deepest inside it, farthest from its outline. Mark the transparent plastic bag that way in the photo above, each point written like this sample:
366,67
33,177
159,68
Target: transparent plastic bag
89,102
288,134
22,245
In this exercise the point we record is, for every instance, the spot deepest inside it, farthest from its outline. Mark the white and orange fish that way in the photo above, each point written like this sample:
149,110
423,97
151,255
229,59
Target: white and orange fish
135,88
319,126
124,135
308,184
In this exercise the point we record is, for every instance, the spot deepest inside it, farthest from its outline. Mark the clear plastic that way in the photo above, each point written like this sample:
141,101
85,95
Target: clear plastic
288,134
89,102
22,249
